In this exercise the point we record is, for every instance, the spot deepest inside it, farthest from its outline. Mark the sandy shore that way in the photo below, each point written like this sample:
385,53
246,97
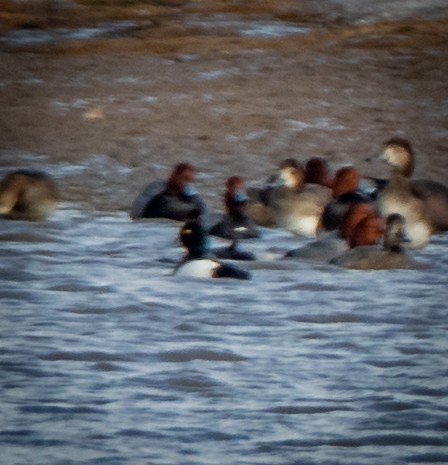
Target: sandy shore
228,104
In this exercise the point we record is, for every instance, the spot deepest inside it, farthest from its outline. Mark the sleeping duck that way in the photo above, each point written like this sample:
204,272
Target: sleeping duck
27,195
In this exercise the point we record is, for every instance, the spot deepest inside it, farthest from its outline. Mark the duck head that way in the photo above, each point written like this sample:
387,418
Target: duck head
346,180
398,154
181,180
194,237
356,213
235,189
317,172
292,177
367,232
395,233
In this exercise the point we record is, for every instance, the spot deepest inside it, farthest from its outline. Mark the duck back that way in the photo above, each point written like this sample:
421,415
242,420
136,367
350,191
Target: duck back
398,198
434,197
372,258
300,212
322,250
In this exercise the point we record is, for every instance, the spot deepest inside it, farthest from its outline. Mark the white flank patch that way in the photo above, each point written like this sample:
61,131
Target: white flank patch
198,268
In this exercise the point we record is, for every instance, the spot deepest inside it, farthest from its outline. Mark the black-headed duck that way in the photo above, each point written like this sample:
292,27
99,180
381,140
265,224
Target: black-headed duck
197,262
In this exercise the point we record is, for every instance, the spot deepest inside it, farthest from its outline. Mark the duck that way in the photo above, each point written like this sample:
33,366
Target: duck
198,262
399,195
233,252
292,205
429,199
235,224
317,172
28,195
321,250
297,208
368,231
392,255
345,192
356,213
173,199
259,205
329,245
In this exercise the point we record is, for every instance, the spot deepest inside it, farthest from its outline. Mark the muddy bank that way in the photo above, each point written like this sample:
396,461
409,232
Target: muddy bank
228,103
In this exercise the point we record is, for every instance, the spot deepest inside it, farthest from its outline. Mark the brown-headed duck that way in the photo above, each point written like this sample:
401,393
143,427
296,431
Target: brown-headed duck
235,224
317,172
345,193
174,199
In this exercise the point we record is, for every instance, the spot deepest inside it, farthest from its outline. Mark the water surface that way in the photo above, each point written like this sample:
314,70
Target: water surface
106,357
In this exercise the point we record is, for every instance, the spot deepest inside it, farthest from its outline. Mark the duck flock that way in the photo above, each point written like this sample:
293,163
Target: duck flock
355,222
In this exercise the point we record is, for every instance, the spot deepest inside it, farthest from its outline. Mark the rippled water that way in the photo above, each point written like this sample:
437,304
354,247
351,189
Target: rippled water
106,357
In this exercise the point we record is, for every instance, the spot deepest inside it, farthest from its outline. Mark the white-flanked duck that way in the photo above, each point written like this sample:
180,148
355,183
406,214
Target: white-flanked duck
174,199
27,195
197,262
